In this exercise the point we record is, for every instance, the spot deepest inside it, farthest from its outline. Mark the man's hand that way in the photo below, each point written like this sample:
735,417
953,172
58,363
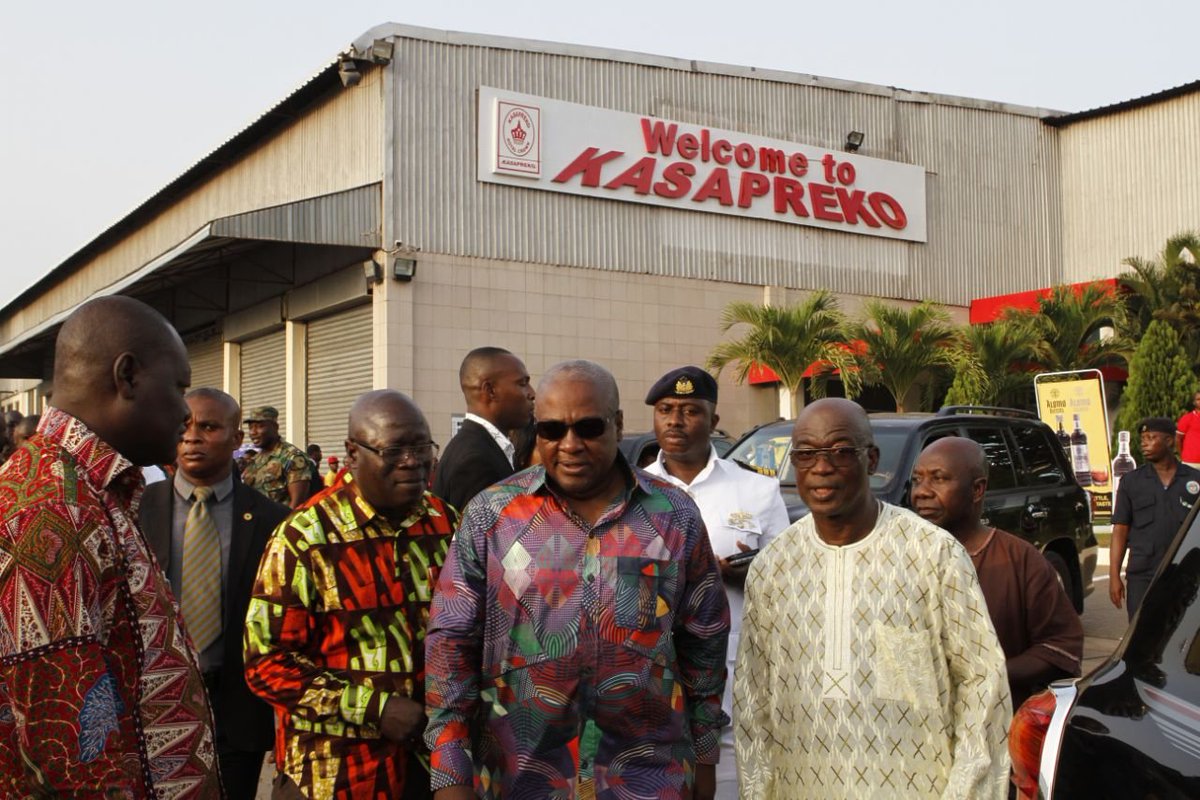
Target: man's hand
705,787
732,574
1116,589
455,793
402,721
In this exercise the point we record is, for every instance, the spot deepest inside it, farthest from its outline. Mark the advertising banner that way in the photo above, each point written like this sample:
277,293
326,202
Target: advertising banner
551,145
1072,403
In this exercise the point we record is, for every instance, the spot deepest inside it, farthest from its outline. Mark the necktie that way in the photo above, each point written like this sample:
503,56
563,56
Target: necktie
201,579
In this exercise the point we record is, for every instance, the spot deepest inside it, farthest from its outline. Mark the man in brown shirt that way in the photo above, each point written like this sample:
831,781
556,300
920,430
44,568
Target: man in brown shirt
1040,632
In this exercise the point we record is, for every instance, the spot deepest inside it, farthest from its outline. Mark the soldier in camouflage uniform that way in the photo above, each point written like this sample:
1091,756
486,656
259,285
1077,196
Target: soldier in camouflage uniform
279,469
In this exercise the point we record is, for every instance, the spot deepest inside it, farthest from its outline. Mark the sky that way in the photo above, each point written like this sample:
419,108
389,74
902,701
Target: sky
106,103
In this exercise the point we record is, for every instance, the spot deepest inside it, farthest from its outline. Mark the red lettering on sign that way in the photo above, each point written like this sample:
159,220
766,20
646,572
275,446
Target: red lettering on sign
589,164
750,186
789,194
824,202
798,165
888,210
704,137
743,154
721,152
676,180
715,185
687,146
852,207
846,173
659,138
772,160
639,176
828,162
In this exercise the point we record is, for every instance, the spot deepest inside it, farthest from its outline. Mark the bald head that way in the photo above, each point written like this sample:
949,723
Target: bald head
846,413
122,369
496,386
389,452
960,454
603,384
948,485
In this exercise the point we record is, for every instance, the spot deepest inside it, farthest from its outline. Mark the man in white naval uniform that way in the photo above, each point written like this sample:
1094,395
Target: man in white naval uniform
742,510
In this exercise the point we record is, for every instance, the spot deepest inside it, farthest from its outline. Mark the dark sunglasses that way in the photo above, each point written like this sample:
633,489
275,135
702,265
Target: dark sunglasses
587,428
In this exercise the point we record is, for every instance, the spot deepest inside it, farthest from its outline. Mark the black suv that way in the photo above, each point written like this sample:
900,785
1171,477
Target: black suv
1131,728
1031,490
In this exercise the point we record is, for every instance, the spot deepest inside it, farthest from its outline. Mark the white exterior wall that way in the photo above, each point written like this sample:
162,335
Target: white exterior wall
1131,181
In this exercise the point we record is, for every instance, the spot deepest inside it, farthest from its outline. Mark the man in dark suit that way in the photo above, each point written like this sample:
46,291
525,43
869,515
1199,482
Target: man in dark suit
208,532
499,399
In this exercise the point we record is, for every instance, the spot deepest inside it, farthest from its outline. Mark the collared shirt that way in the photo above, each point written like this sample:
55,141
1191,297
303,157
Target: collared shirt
100,693
574,660
501,439
335,627
1153,512
1189,426
869,670
271,472
220,508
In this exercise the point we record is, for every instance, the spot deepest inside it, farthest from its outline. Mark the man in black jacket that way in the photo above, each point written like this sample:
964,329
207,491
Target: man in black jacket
208,532
499,399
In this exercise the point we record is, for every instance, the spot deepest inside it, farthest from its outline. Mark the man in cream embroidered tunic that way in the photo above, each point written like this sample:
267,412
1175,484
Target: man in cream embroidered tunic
868,665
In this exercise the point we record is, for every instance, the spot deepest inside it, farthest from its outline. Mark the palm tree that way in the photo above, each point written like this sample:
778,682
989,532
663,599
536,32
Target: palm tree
1166,289
1071,321
788,339
905,345
997,362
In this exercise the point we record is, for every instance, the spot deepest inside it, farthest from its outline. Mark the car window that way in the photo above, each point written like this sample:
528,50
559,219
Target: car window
1042,468
1001,473
765,450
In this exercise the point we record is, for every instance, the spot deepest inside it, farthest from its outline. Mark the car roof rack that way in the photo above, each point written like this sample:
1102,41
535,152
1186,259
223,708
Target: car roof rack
998,411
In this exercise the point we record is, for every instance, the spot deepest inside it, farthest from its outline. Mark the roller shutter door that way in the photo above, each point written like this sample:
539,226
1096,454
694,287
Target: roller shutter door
264,375
208,360
339,370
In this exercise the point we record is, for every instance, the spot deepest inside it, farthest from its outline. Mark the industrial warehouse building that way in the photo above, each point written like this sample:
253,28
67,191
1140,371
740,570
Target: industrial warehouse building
429,192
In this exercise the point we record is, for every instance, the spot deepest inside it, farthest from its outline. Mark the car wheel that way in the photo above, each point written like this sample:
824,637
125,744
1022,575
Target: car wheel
1066,579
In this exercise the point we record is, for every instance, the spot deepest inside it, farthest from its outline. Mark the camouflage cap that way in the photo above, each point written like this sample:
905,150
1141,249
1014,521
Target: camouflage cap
262,414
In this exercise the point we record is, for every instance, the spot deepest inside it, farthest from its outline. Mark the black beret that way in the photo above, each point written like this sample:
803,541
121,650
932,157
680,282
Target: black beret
691,383
1156,425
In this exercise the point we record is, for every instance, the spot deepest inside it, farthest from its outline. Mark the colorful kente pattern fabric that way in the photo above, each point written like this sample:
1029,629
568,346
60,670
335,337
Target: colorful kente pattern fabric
574,661
336,626
100,695
270,473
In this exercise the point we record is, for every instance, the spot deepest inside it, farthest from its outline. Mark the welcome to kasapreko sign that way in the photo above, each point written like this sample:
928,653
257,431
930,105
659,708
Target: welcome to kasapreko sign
540,143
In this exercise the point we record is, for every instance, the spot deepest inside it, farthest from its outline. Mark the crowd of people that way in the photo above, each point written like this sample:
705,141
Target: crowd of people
533,618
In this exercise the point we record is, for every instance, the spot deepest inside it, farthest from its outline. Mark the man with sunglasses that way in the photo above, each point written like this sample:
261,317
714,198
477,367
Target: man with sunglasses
578,636
868,665
334,633
742,510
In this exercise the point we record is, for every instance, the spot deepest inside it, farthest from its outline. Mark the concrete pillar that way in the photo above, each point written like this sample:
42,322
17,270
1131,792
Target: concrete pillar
394,336
296,364
231,370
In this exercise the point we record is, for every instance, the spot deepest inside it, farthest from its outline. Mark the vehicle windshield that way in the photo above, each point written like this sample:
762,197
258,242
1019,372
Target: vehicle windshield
766,450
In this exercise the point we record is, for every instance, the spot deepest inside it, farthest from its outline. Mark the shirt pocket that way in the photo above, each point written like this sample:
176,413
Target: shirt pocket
643,592
904,667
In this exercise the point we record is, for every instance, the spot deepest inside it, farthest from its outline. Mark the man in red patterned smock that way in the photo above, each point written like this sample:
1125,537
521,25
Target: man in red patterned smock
100,693
335,632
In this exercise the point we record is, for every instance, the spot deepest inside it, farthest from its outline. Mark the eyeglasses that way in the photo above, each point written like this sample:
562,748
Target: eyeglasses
394,455
587,428
839,457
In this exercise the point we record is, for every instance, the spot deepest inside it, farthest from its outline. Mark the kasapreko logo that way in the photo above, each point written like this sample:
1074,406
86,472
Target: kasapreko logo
518,139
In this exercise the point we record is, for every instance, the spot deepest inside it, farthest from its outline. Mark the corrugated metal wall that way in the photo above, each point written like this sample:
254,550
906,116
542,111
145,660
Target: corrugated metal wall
208,361
993,208
339,370
1133,179
264,375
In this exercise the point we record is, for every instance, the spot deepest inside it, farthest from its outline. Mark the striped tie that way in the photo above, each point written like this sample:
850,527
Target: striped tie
201,580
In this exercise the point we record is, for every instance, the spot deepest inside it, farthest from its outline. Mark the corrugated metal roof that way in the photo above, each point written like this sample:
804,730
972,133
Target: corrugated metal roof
1061,120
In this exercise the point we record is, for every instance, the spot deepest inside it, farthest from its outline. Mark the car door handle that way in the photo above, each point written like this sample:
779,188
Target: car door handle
1038,513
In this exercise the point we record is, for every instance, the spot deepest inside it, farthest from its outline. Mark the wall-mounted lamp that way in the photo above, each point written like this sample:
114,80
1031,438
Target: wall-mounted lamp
382,50
348,72
403,269
372,273
854,140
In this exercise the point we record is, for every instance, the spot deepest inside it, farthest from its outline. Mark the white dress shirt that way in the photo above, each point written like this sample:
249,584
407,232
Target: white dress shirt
505,444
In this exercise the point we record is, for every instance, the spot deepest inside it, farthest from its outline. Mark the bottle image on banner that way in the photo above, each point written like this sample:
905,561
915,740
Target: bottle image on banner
1064,438
1123,464
1079,455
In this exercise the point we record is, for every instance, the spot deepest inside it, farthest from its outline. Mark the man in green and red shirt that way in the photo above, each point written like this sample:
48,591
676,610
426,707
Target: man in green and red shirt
336,626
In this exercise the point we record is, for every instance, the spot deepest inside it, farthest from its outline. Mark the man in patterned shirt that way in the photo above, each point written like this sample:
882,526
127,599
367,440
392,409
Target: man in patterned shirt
278,469
577,643
868,666
100,692
336,626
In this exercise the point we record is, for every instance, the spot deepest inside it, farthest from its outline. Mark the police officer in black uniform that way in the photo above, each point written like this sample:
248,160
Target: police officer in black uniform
1152,502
